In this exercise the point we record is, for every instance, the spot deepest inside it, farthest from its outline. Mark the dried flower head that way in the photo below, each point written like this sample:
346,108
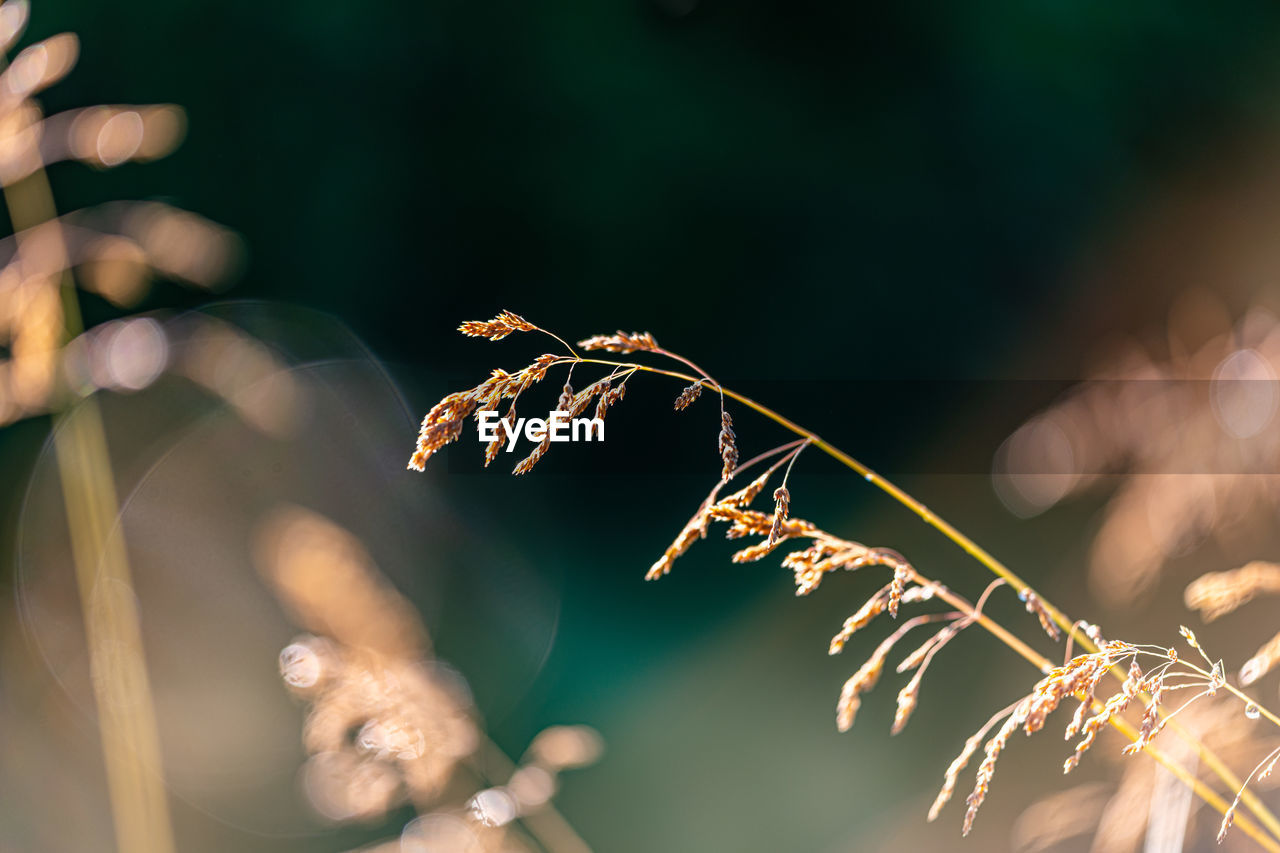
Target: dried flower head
1037,607
1078,679
1216,594
621,342
781,506
687,396
728,446
498,328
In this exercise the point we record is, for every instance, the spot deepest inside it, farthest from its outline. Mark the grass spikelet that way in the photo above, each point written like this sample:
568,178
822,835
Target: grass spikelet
860,682
781,506
578,403
754,552
869,673
1219,593
609,398
748,493
1086,703
564,404
1152,722
498,328
492,448
525,465
751,522
442,425
873,607
694,530
952,775
987,769
908,698
1115,705
687,396
901,572
728,446
961,761
621,342
1037,607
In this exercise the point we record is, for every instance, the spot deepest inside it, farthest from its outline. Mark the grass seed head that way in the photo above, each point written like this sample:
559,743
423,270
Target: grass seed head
728,447
873,607
621,342
609,398
1218,593
687,396
1115,705
908,698
781,507
498,328
1152,722
443,424
987,769
748,493
695,529
860,682
953,775
1037,607
491,450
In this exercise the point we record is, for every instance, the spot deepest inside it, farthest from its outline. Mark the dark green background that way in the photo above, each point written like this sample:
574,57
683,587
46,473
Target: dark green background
787,192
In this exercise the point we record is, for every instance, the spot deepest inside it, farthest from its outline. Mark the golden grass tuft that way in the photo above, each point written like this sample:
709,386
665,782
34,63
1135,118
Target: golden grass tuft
687,396
621,342
1218,593
820,553
498,328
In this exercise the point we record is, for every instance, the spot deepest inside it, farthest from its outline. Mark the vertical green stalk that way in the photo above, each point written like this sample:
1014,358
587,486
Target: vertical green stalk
117,664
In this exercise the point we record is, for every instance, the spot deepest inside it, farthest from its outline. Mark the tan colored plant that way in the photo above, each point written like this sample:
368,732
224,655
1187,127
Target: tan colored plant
1147,675
1210,477
367,669
44,368
1218,593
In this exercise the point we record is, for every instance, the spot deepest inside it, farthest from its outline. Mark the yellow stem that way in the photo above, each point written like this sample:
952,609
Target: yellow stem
1210,759
122,693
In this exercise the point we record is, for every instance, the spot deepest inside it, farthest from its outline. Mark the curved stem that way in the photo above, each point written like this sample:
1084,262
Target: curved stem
984,557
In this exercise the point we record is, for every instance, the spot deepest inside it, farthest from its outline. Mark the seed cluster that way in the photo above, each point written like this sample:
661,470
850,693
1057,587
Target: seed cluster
443,424
1079,679
621,342
498,328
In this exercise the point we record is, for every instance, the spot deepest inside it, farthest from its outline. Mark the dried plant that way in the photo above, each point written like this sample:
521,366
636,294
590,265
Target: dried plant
1149,678
1210,476
1218,593
50,365
1146,801
387,723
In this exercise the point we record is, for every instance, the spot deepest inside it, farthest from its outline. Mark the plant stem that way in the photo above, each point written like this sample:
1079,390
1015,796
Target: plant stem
984,557
117,662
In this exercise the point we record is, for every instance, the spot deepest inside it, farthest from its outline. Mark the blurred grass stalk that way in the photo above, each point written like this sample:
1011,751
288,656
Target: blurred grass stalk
117,665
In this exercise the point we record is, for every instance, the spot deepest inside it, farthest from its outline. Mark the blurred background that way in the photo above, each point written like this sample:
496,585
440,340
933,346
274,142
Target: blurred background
912,229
